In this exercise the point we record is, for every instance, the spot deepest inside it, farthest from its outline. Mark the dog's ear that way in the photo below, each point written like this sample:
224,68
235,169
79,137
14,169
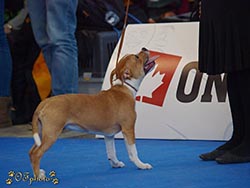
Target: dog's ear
122,70
121,74
127,74
111,79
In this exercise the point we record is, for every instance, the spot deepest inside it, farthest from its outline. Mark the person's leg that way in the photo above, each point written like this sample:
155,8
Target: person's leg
37,12
5,73
241,153
23,61
18,52
246,109
236,104
18,48
238,124
61,25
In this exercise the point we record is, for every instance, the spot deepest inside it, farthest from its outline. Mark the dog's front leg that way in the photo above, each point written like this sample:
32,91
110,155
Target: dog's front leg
132,152
111,152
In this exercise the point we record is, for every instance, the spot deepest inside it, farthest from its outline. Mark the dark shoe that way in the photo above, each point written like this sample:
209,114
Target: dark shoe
229,158
212,155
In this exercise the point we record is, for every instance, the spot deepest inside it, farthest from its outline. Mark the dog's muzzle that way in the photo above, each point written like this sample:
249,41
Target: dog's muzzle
150,63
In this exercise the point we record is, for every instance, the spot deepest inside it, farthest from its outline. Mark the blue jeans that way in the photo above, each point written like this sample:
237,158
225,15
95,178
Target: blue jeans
5,58
54,23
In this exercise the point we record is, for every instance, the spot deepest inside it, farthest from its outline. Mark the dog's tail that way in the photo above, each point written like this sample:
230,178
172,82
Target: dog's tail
36,129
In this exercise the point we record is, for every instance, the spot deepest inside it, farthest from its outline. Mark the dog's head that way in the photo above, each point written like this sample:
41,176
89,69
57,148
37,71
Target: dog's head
132,66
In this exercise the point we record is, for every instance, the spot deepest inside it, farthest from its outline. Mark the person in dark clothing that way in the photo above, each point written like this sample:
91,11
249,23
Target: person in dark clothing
25,97
24,52
224,47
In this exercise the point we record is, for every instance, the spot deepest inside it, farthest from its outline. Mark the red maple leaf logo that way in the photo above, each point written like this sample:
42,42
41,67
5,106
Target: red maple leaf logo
166,65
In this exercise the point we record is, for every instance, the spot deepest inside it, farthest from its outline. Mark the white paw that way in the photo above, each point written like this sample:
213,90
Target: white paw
118,164
42,174
145,166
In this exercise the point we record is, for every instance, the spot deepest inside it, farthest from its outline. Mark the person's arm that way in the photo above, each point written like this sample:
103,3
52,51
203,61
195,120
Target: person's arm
17,22
196,12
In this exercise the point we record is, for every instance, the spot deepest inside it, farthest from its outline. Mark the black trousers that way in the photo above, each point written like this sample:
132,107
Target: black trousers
238,85
24,52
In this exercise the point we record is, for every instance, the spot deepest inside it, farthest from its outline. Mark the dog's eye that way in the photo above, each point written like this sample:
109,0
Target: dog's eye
137,56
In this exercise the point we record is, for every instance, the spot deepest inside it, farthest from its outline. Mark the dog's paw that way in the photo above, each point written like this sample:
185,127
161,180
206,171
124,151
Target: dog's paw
145,166
42,174
118,164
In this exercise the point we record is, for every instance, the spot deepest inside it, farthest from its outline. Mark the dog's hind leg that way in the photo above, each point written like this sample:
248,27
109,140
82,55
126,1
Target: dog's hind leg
35,156
32,150
36,153
111,152
129,137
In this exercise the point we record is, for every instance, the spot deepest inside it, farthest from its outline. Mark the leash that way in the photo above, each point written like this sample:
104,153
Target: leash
123,31
121,42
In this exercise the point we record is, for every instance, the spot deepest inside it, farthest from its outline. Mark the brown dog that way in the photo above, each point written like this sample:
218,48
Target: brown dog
106,113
